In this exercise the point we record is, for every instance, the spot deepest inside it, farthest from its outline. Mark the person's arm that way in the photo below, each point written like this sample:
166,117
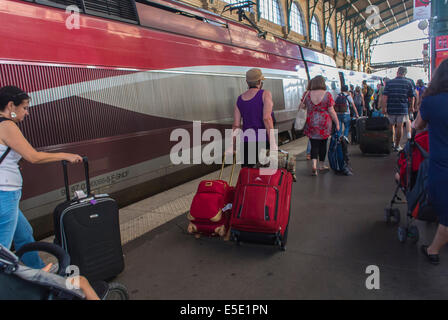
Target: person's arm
354,107
384,103
236,125
332,113
268,104
302,104
419,123
422,116
334,117
13,137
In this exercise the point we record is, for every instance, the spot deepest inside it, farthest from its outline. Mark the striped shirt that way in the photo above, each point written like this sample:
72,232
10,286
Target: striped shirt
398,91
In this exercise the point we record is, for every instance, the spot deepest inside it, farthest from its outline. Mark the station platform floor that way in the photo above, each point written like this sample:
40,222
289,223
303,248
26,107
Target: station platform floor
337,230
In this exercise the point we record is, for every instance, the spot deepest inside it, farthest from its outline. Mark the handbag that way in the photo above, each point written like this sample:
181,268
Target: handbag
300,121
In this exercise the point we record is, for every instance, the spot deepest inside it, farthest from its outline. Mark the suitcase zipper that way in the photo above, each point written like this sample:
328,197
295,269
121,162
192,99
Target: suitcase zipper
281,178
276,201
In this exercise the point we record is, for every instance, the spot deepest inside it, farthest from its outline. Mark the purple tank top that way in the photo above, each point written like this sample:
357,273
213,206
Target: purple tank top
252,114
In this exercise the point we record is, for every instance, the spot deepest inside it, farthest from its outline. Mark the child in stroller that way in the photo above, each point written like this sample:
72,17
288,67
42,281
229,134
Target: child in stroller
411,179
22,283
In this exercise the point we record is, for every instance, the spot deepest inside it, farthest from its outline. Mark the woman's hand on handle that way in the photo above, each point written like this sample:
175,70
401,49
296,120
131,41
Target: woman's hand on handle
73,158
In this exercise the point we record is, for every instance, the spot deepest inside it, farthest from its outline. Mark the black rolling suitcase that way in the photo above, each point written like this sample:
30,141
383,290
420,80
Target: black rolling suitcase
88,229
375,135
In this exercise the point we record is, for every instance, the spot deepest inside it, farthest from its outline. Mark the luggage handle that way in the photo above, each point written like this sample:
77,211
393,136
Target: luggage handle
222,167
85,160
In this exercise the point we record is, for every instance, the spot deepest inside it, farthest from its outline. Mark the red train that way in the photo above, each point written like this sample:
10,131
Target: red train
117,86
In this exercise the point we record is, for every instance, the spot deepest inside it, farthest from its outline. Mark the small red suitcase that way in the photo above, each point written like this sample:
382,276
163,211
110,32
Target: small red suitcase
211,206
261,207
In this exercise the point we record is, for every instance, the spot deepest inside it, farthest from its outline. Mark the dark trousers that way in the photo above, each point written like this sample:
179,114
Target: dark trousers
251,152
318,148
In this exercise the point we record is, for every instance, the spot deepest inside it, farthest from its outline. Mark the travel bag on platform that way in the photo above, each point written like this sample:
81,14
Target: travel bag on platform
211,206
88,228
338,155
262,205
375,135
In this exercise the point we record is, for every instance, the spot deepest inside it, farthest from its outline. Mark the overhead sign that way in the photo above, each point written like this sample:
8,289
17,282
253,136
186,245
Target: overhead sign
422,9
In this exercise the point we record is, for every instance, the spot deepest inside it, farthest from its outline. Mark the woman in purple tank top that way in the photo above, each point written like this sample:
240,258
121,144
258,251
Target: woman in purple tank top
254,107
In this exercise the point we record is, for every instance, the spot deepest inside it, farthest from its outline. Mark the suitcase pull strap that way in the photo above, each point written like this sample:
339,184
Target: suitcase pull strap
86,172
222,168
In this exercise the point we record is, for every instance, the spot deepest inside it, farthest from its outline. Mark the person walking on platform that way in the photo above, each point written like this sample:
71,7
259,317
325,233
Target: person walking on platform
254,107
343,104
367,92
358,99
320,113
421,91
396,105
434,113
14,227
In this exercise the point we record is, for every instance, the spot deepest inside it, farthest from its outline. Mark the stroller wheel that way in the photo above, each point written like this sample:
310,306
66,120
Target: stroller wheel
395,213
414,234
402,234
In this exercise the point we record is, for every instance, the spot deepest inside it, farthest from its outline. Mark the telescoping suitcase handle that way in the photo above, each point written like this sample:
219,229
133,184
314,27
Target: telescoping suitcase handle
222,167
86,171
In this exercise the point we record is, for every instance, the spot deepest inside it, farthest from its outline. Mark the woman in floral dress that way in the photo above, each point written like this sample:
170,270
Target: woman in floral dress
320,113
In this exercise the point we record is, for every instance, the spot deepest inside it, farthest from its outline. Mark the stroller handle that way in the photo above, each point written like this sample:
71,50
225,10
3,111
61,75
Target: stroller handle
55,250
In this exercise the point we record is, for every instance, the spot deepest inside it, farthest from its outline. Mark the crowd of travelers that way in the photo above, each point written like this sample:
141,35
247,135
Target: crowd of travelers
399,99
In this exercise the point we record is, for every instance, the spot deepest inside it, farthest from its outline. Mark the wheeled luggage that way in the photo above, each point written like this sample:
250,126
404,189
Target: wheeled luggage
88,228
375,135
338,155
211,206
262,206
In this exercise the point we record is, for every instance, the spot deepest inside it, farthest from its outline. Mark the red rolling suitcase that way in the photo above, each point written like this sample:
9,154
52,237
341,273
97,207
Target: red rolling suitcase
211,206
261,208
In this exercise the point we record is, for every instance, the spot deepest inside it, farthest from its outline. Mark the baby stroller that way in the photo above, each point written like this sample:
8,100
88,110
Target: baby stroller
19,282
411,179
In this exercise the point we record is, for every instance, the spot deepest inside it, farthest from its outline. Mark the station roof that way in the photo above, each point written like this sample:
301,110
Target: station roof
394,14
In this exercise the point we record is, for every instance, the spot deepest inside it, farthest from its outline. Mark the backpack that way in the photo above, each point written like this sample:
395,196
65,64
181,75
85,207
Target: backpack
341,104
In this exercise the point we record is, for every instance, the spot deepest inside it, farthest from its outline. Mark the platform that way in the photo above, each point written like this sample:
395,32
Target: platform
337,230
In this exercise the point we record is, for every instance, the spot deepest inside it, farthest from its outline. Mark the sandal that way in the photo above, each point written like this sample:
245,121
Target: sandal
314,172
433,258
324,168
308,157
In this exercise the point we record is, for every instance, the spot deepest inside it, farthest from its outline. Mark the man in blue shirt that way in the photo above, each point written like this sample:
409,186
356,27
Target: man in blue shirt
396,104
